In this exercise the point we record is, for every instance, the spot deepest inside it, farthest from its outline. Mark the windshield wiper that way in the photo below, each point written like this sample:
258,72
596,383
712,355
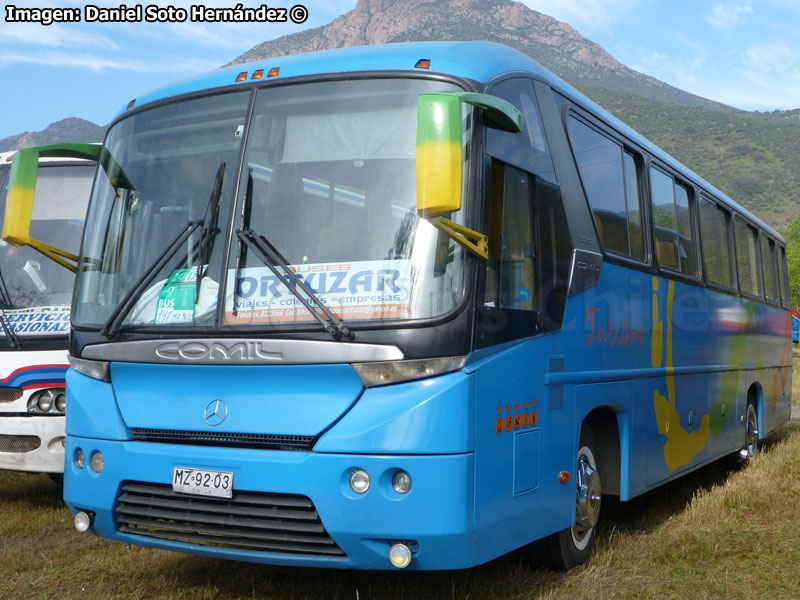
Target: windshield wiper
5,302
112,325
13,339
273,259
210,229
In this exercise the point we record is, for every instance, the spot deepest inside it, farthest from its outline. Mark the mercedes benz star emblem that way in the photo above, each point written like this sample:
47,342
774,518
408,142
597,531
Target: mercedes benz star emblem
216,411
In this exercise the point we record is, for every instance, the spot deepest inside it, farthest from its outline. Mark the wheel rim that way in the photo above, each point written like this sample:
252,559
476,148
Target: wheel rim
588,494
751,439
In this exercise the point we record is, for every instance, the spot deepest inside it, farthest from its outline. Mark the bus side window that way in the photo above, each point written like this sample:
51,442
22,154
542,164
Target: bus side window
672,221
610,179
746,236
529,245
714,236
783,270
768,268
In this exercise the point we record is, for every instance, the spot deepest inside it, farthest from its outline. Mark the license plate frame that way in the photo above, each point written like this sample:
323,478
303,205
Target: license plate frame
202,482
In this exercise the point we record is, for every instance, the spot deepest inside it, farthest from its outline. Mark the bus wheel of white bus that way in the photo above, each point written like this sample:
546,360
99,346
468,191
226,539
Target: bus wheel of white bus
573,546
751,433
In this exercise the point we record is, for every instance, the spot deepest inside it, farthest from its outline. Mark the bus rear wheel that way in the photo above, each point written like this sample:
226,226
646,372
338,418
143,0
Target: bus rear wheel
751,433
572,546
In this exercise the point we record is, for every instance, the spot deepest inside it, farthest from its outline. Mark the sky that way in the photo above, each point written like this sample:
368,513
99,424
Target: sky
744,53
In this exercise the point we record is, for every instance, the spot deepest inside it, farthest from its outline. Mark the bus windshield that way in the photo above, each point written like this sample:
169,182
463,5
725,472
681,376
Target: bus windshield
35,292
327,180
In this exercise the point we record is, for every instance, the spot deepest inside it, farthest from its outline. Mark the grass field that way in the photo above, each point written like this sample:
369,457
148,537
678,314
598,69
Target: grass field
726,531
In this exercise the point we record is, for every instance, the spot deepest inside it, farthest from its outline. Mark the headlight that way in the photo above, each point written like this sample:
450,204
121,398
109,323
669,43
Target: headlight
382,373
45,401
96,369
61,402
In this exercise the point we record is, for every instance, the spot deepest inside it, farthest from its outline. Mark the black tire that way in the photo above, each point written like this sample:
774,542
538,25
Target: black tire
58,478
571,547
750,433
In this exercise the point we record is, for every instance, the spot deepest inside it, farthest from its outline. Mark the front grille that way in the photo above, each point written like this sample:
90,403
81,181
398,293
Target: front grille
19,443
215,438
9,394
249,521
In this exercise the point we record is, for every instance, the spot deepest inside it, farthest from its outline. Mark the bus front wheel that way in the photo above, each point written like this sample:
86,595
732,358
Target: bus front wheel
572,546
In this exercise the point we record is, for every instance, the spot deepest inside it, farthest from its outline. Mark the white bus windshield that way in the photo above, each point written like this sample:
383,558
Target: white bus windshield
36,292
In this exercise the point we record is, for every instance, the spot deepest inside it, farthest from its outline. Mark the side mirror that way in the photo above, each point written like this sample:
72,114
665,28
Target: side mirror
440,156
21,191
440,149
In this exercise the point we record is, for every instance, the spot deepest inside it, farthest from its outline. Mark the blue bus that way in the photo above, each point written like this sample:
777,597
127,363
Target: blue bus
405,306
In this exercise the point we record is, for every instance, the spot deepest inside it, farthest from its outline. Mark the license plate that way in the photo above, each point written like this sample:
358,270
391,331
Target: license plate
202,483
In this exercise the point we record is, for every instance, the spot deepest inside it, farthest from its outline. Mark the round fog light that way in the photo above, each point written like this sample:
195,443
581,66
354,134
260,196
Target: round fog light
401,482
82,522
45,401
400,556
61,402
80,459
359,481
96,462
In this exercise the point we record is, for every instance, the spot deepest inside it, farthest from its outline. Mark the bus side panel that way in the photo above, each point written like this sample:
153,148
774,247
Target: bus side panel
726,403
520,447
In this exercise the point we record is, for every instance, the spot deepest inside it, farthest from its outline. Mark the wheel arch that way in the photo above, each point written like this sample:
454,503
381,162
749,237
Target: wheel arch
605,427
755,395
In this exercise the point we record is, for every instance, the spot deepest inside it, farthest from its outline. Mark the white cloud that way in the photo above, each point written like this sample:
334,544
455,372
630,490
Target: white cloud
728,17
100,63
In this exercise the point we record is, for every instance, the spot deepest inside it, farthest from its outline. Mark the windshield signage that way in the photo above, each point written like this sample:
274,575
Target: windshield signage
38,320
377,289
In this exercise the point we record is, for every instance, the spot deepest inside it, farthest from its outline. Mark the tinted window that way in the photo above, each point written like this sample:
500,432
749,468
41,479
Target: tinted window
746,236
609,177
768,268
672,221
634,207
784,273
527,150
714,227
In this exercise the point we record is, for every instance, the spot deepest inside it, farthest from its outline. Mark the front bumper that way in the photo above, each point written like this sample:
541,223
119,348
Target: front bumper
435,517
34,444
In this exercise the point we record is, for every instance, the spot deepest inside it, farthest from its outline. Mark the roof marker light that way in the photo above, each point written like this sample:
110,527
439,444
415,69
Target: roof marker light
274,71
10,158
242,76
131,104
258,74
423,63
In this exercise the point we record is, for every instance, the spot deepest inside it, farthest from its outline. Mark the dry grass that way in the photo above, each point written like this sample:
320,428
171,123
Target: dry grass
795,377
721,532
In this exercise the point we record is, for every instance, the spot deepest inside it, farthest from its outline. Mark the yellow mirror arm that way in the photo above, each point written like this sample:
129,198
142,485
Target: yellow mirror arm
475,242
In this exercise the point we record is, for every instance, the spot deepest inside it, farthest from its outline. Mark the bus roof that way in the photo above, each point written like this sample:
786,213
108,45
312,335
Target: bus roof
479,61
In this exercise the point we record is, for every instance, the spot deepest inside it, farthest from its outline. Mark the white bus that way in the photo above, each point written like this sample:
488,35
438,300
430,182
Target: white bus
35,297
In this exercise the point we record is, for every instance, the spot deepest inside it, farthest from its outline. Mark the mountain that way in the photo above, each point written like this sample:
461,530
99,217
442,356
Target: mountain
71,129
553,44
752,157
